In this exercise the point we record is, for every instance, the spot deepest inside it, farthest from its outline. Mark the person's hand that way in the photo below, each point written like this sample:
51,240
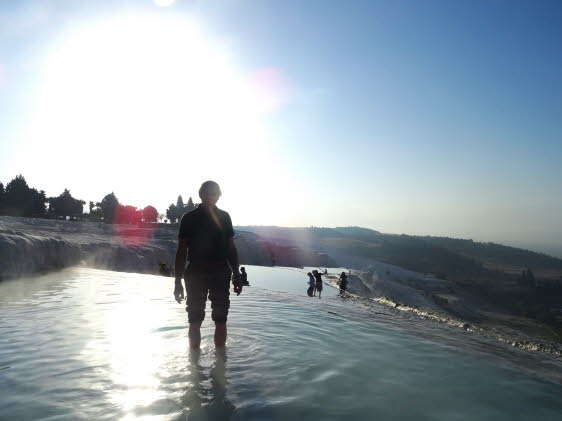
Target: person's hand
237,283
178,292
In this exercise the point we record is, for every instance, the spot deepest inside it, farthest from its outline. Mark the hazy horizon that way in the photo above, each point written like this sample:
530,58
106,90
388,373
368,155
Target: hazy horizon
425,119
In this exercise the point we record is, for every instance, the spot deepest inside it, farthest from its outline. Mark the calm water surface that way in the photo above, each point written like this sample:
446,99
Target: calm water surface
86,344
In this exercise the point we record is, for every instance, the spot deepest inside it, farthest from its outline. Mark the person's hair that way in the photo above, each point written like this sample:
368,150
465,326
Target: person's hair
242,268
343,273
309,273
208,186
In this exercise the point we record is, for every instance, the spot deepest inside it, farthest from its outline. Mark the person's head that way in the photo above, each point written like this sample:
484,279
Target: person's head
243,269
343,273
309,273
209,192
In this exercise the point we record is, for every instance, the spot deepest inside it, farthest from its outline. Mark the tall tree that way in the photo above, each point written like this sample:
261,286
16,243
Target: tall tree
172,213
126,214
16,197
66,205
21,200
39,206
180,207
108,206
179,203
149,214
190,206
95,212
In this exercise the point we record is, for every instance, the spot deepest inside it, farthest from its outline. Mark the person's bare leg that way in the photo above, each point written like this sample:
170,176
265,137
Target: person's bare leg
195,336
220,334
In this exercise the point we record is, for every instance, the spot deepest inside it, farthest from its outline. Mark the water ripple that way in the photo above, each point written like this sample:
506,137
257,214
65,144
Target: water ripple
104,345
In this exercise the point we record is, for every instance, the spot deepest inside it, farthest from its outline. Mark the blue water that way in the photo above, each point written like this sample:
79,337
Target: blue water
86,344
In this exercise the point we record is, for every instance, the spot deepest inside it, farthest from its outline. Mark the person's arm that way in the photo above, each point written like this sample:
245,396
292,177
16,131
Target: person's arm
232,257
181,255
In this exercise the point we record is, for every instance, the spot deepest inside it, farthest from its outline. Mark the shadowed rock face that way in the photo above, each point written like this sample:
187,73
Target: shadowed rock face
23,255
30,246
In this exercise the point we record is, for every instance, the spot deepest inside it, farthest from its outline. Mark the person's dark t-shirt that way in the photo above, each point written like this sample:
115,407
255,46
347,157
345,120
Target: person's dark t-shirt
207,235
244,278
343,279
318,277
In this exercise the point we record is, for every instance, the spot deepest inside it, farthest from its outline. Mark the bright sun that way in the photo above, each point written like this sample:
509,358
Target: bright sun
146,96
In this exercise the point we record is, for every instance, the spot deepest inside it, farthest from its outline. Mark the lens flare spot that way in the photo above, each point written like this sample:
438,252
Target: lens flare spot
272,87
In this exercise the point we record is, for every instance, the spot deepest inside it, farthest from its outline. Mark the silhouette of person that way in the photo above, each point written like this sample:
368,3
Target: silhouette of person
244,276
343,283
318,277
311,284
206,238
164,270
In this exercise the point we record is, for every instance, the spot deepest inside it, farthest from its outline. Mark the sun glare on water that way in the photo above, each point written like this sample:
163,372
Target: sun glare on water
142,97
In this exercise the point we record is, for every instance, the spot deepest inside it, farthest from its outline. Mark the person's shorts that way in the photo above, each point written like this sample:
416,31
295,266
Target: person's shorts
212,282
318,286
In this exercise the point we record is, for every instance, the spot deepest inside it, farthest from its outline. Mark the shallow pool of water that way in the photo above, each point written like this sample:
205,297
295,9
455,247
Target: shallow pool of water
85,344
293,280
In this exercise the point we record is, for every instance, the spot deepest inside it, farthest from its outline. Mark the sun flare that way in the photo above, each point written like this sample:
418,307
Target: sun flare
146,95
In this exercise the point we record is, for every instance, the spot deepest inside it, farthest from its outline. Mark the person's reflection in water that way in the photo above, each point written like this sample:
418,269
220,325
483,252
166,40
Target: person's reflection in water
206,397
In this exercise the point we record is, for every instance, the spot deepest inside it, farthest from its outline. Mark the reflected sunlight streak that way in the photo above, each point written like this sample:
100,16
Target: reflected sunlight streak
128,344
133,357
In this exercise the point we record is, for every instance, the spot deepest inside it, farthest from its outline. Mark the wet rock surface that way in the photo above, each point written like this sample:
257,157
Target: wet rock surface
23,255
455,310
30,245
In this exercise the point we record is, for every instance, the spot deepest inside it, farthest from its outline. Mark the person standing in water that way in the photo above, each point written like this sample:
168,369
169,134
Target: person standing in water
318,285
244,277
311,285
206,238
343,283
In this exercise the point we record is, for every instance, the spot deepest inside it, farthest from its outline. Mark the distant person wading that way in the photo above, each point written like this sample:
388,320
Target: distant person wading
311,284
343,283
318,285
244,277
206,238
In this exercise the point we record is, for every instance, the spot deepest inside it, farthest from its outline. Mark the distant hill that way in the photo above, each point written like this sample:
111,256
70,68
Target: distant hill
508,259
452,258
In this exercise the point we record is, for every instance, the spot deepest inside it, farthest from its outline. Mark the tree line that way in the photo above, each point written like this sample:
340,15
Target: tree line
176,211
17,198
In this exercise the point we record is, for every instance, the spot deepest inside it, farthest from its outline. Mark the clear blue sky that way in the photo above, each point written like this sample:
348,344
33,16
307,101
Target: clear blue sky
419,117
